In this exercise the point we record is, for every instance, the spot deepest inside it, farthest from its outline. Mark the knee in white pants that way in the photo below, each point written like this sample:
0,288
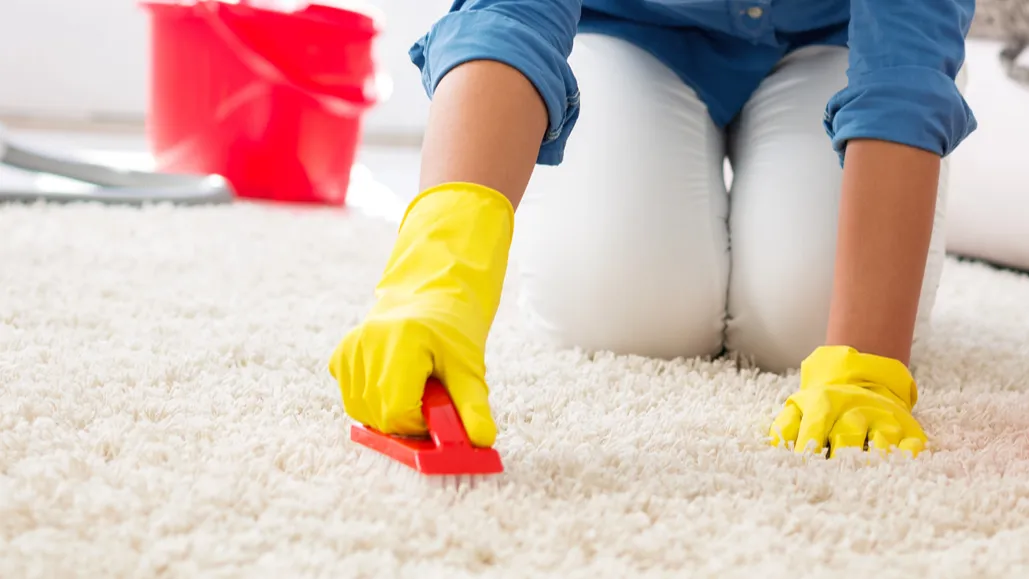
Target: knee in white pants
783,224
623,246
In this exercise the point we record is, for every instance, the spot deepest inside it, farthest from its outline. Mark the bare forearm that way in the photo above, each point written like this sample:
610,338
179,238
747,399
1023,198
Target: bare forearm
486,124
885,224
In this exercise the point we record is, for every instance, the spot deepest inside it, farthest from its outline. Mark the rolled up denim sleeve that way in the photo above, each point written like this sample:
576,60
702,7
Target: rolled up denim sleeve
904,59
533,36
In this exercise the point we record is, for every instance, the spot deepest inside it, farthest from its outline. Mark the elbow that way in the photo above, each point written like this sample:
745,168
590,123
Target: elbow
522,35
915,106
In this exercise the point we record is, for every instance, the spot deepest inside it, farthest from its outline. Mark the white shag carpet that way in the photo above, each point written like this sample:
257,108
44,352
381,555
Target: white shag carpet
165,411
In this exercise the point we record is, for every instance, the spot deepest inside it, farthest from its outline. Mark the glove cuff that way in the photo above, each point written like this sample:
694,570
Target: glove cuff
843,365
448,198
453,244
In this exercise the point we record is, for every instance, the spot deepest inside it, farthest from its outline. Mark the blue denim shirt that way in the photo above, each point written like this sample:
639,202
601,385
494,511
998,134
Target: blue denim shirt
903,60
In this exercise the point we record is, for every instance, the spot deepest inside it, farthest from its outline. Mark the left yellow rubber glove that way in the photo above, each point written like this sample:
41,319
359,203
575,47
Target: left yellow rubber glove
434,307
847,398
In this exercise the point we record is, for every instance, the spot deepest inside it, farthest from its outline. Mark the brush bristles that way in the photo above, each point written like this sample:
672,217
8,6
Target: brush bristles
398,475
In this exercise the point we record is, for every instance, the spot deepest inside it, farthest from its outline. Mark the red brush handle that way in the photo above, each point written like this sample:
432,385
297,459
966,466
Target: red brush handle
441,417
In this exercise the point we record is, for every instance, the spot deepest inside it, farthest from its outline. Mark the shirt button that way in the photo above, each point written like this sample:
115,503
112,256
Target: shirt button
755,12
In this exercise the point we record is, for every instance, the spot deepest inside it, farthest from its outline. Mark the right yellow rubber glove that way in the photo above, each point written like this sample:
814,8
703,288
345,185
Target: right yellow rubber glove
434,307
847,399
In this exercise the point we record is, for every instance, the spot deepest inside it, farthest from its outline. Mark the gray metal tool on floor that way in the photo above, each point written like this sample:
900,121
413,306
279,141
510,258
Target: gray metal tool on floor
113,186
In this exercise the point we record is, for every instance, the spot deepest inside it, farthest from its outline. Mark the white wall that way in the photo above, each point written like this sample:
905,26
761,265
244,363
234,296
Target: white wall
89,58
406,22
86,57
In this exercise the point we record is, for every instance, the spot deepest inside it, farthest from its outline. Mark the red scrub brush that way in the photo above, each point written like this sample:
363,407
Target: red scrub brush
446,451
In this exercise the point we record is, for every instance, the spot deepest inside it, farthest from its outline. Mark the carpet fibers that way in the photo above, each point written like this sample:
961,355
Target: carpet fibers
165,411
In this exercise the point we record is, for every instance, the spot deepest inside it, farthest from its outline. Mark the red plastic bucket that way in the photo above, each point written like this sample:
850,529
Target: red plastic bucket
271,100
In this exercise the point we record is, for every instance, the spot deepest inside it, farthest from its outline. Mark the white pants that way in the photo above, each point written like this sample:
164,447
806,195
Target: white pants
634,244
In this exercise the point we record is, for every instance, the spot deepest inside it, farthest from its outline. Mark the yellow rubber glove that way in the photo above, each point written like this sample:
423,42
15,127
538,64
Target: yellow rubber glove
434,307
846,398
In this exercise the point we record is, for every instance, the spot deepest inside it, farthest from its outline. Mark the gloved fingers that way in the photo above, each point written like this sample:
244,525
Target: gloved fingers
337,363
396,362
394,391
786,425
814,427
849,431
470,394
890,434
884,435
912,444
351,379
914,440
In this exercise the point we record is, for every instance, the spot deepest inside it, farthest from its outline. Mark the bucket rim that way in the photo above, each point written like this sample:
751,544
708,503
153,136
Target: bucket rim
361,9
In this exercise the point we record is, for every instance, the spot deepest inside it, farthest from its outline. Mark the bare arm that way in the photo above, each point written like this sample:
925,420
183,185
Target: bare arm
486,123
904,61
885,223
